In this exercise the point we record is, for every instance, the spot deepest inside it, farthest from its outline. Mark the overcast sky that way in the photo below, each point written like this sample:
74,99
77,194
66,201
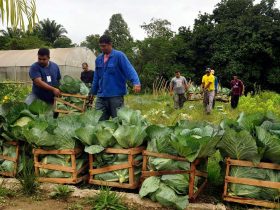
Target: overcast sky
85,17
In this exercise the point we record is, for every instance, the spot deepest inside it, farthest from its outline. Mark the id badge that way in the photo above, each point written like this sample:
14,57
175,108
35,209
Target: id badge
49,79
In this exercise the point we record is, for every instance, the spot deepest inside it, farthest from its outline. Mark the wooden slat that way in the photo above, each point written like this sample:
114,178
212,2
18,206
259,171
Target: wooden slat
57,180
201,174
137,150
36,160
54,167
9,174
4,157
109,168
15,143
114,184
251,164
74,166
90,159
192,180
145,161
250,201
200,189
74,95
82,169
131,169
69,104
166,172
133,151
63,111
54,152
253,182
227,173
162,155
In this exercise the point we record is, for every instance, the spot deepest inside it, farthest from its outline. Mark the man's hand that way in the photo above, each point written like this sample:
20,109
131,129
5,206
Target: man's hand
137,88
90,97
56,92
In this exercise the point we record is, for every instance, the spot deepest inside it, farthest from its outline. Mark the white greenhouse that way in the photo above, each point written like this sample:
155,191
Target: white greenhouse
15,64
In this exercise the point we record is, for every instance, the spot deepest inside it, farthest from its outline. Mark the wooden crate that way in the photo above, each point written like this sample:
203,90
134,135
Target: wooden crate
130,165
193,172
13,159
249,181
80,109
76,174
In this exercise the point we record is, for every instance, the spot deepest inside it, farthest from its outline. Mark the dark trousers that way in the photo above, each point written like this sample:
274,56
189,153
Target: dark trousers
179,100
234,101
109,106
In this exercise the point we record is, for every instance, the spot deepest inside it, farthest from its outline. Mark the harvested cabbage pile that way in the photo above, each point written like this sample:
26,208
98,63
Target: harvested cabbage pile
128,130
254,137
10,151
61,160
186,139
72,86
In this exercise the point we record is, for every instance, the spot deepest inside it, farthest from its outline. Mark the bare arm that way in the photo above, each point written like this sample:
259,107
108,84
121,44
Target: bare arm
40,83
208,85
171,87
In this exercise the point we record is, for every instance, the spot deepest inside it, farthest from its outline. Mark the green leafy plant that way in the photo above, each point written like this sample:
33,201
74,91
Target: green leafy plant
61,192
27,177
107,200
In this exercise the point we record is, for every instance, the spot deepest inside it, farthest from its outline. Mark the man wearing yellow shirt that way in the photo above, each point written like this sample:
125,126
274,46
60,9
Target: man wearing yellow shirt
208,86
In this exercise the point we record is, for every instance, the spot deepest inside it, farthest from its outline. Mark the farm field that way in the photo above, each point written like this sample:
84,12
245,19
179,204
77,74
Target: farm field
159,110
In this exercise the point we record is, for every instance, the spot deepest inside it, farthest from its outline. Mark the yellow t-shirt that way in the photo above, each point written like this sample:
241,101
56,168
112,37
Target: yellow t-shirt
207,79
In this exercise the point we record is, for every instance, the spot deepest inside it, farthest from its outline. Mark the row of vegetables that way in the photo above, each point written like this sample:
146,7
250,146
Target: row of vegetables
254,137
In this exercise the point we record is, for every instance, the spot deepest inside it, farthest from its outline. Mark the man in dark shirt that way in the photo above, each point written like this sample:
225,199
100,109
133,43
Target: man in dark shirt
45,76
86,75
237,88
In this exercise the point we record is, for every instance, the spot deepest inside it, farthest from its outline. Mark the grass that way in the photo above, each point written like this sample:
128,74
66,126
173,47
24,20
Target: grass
61,192
5,193
159,109
106,200
27,177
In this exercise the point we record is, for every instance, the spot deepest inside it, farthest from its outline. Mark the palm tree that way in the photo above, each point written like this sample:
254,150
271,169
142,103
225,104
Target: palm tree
12,33
50,30
14,13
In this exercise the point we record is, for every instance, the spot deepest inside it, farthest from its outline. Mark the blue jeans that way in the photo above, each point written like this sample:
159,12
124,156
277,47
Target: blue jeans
109,106
30,98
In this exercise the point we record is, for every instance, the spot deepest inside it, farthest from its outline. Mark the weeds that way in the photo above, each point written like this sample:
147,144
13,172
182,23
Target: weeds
61,192
75,206
27,176
106,200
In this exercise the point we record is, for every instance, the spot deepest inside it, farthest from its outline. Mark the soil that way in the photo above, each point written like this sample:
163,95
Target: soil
24,203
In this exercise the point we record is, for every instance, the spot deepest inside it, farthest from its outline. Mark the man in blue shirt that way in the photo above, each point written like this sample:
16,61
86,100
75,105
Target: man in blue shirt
45,76
112,70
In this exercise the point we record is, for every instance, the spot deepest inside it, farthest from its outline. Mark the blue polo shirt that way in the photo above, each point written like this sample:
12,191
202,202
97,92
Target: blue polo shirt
110,77
50,75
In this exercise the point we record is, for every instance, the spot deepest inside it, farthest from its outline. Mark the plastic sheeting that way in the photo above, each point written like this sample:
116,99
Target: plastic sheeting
15,64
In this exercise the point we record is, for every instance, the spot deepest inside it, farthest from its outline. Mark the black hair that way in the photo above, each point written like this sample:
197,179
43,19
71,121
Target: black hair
105,39
177,71
44,51
85,64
